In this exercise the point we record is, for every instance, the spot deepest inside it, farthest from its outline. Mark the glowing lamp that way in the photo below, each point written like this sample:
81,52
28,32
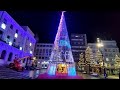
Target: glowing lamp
38,62
34,58
30,44
16,35
100,45
10,43
20,48
30,52
3,26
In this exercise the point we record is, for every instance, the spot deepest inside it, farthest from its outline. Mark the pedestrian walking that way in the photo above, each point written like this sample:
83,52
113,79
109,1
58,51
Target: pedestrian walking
31,73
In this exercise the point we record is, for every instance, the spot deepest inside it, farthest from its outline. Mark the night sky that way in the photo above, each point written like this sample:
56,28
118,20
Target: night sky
105,25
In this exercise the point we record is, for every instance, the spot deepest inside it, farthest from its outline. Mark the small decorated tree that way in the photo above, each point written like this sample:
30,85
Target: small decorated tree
89,59
117,62
99,60
81,62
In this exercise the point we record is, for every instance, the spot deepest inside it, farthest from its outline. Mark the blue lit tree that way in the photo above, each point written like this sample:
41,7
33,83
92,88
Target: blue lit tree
61,53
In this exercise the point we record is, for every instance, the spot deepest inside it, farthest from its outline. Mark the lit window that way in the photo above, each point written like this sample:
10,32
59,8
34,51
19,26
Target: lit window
10,43
30,44
16,35
30,52
76,36
107,59
3,26
20,48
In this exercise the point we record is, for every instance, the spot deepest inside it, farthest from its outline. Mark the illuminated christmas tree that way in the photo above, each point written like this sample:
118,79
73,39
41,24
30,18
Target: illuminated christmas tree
117,62
99,58
81,62
89,59
61,59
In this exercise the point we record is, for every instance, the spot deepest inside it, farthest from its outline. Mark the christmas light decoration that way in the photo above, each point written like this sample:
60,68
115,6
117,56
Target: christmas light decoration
62,54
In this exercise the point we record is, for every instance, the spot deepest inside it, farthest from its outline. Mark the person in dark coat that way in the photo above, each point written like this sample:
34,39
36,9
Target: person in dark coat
31,73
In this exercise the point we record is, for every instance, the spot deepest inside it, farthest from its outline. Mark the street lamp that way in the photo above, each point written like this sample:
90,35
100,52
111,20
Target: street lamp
100,45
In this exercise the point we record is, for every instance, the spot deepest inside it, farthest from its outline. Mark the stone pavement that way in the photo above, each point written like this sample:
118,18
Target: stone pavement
6,73
86,76
113,77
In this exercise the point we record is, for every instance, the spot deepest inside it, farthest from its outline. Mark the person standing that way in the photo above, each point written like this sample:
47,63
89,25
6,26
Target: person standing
31,73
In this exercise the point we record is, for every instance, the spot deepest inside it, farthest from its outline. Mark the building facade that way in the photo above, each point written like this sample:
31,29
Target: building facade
79,44
109,50
43,51
15,40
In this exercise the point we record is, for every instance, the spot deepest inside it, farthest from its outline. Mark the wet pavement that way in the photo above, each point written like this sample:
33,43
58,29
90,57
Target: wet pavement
86,76
6,73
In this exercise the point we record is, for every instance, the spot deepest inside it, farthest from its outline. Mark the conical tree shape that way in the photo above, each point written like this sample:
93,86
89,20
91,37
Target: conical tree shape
62,49
61,53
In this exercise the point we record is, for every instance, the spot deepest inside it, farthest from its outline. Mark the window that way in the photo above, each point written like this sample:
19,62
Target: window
37,50
105,50
3,26
39,57
40,50
5,21
47,45
117,50
43,50
1,34
16,31
46,50
11,26
24,61
50,45
113,50
106,54
14,40
81,35
74,42
8,37
37,45
42,57
79,43
50,50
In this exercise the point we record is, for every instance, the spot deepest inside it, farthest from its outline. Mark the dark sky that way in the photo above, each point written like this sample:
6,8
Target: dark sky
105,25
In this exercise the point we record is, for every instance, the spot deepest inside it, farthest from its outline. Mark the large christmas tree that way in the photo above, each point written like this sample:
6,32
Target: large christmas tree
61,59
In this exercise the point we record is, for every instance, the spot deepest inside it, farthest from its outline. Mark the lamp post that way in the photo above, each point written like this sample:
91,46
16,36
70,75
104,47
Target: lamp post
100,45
